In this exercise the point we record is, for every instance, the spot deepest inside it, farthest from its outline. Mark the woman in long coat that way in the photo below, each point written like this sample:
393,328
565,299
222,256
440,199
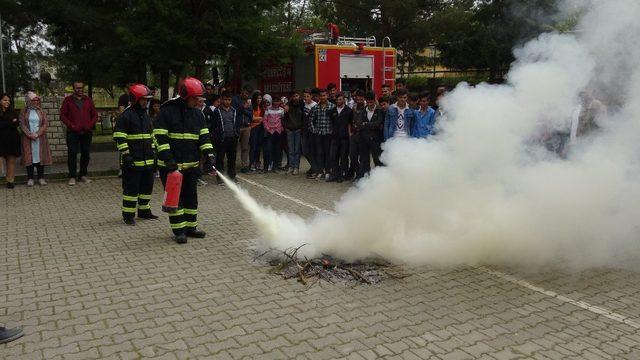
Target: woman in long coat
35,145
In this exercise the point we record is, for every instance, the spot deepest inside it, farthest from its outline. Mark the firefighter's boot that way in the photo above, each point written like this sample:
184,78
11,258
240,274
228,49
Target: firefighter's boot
195,233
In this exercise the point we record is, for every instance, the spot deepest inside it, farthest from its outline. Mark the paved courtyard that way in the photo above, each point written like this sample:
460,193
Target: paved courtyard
85,286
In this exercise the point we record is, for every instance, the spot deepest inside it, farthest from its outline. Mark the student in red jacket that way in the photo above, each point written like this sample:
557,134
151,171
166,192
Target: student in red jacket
79,114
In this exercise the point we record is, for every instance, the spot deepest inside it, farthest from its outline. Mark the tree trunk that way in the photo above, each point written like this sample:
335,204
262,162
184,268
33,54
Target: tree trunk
164,85
90,83
303,8
237,77
143,74
200,72
12,68
175,86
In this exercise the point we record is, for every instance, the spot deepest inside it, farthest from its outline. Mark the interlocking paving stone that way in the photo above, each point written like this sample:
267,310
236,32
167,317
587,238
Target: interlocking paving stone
83,286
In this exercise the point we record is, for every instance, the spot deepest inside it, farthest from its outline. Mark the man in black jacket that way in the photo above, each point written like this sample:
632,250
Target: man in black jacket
354,140
244,114
293,123
182,138
225,131
133,136
367,125
341,118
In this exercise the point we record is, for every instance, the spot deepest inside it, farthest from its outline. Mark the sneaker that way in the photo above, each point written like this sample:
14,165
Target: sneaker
10,185
42,182
295,172
202,182
30,182
157,174
332,179
72,182
310,176
85,179
319,176
327,176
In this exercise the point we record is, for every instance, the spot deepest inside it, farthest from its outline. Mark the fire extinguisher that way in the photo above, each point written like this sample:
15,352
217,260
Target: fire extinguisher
172,192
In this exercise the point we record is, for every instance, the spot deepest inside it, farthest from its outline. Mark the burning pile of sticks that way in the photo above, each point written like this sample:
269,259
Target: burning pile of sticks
309,271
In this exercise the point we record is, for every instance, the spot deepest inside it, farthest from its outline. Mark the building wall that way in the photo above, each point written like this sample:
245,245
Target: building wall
57,131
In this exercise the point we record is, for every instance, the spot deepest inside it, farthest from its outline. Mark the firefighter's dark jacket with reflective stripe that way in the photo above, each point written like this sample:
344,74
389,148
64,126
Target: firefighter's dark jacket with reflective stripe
133,135
181,135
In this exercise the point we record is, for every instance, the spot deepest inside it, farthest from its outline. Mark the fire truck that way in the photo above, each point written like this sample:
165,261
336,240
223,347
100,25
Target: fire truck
349,62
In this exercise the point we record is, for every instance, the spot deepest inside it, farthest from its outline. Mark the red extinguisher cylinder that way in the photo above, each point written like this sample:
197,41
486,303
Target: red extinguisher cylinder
172,192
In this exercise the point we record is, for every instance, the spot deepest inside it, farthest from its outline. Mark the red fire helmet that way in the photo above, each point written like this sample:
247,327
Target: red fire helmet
138,91
191,87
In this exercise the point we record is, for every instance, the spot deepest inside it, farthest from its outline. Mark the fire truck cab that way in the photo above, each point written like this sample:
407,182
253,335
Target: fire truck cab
350,63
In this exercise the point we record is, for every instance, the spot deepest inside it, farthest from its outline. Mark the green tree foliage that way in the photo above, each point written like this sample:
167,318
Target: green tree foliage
473,34
23,45
108,43
112,42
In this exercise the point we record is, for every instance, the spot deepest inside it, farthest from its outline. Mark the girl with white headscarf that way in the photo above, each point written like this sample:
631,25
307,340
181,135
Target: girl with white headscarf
36,153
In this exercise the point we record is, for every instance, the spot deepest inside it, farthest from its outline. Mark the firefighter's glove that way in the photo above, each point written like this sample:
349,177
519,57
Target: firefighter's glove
171,165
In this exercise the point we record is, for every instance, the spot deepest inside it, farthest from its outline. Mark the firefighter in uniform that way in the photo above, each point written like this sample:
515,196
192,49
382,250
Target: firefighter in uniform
133,135
182,136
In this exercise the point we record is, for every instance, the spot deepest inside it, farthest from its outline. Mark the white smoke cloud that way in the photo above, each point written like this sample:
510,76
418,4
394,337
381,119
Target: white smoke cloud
485,191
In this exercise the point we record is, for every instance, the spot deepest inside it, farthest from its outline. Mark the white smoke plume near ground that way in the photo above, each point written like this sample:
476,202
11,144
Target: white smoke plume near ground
485,191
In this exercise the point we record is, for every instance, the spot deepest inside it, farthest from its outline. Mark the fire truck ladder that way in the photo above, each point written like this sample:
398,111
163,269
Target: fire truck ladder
366,41
389,61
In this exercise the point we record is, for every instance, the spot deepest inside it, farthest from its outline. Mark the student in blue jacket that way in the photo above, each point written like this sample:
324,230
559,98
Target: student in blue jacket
400,118
425,118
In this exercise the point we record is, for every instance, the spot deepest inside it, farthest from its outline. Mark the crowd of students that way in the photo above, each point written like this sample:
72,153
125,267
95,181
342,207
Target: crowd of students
339,134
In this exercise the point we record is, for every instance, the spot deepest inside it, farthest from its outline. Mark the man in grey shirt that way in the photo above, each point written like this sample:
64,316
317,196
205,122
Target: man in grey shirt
225,130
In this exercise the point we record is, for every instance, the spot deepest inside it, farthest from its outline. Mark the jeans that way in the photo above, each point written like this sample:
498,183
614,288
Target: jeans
284,146
38,167
227,148
243,144
293,139
75,142
255,144
322,163
272,150
307,147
